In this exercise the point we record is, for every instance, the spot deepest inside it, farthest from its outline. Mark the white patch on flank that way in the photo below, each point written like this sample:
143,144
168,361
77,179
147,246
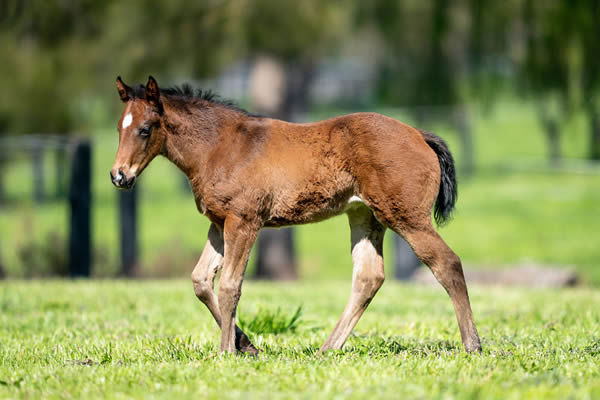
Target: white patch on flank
127,120
353,203
355,199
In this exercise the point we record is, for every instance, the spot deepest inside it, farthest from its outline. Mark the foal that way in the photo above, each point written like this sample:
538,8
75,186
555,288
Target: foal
249,172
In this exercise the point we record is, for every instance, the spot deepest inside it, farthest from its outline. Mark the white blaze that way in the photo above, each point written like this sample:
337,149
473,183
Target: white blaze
127,120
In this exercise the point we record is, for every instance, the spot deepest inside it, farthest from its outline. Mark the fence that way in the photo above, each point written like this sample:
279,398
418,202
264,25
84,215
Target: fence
79,196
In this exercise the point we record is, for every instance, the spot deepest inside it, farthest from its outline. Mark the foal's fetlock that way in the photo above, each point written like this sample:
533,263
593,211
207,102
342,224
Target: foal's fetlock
473,345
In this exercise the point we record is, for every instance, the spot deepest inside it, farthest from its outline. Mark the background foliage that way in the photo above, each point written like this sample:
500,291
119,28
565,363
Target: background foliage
509,84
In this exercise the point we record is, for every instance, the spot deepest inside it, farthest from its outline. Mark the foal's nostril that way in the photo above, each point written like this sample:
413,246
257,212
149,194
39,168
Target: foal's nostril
122,181
118,179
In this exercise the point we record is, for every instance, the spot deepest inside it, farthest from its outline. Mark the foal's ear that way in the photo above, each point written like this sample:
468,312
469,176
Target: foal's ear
124,90
153,93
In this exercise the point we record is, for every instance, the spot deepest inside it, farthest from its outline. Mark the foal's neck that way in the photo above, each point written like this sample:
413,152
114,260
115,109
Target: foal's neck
192,130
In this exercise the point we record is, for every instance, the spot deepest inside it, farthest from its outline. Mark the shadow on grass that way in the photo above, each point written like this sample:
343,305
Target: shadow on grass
378,346
372,347
184,349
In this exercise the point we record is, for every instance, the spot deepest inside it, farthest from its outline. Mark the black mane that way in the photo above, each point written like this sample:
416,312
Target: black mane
187,92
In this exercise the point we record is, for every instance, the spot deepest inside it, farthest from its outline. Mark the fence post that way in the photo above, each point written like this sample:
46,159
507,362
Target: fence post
2,194
275,256
2,273
80,197
465,132
128,230
405,259
37,154
60,158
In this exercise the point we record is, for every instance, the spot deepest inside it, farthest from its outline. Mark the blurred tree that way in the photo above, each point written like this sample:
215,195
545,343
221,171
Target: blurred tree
44,62
168,39
588,27
306,31
61,56
493,40
551,63
422,71
44,71
422,67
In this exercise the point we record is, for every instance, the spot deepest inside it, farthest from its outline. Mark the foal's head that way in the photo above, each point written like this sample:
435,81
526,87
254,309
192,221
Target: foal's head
141,133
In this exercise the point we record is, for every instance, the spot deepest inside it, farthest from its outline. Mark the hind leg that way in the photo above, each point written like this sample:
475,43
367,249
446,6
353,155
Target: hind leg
368,275
447,268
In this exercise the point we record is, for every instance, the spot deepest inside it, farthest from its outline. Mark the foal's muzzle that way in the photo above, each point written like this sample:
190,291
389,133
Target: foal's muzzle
121,181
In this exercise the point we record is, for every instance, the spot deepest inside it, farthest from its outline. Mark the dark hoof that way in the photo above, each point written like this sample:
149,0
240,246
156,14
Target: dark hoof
243,344
250,349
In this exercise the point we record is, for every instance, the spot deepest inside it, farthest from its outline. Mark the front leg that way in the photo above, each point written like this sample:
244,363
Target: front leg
239,235
203,277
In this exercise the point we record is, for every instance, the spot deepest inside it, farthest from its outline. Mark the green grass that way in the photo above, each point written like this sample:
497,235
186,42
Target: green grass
153,339
270,321
513,210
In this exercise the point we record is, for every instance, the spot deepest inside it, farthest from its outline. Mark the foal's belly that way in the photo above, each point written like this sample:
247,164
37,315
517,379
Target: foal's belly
310,206
307,186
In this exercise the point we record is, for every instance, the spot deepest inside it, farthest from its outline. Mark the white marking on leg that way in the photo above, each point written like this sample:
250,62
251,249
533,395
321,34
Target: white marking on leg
367,275
127,120
360,254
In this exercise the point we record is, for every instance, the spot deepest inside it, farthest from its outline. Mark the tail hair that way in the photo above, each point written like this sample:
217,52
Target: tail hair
448,193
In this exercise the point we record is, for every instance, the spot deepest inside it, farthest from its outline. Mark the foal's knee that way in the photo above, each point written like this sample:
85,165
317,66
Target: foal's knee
202,288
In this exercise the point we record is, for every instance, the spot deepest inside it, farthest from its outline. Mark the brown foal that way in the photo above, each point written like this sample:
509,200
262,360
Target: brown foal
249,172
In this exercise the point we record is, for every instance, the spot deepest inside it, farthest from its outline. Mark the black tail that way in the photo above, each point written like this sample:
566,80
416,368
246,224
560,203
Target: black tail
448,193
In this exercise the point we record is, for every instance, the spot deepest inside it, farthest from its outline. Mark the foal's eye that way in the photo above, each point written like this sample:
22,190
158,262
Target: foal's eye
144,131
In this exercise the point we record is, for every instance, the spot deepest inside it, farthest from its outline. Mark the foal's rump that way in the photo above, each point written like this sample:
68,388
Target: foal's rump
399,169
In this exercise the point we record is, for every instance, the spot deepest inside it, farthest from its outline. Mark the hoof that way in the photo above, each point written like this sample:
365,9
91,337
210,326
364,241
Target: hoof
473,346
243,345
250,349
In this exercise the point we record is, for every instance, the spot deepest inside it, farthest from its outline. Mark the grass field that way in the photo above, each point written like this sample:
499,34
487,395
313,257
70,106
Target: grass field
153,339
515,209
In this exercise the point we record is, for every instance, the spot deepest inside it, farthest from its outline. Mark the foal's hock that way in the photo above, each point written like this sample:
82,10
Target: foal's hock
249,172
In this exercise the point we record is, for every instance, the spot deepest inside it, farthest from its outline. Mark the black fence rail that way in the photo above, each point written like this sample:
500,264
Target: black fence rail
36,147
